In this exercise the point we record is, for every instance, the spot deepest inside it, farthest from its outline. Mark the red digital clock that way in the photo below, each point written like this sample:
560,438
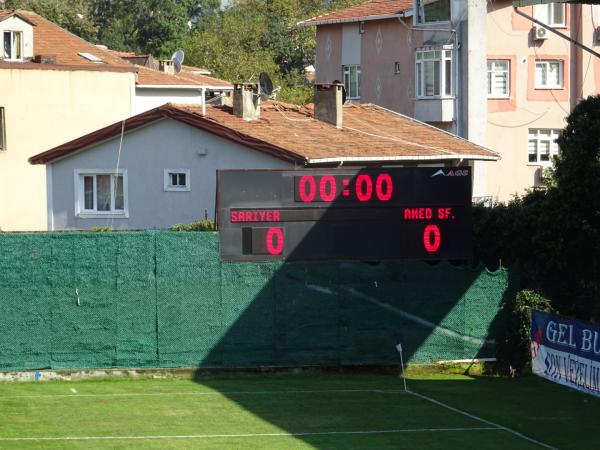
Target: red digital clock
365,187
417,213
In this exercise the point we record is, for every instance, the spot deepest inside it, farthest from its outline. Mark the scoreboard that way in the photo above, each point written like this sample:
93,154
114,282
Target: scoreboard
358,214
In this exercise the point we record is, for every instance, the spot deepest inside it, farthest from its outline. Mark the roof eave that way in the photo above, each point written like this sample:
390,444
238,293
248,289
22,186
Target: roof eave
183,86
404,158
305,24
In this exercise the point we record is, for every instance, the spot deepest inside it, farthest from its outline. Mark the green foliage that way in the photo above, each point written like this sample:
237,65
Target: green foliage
200,225
74,15
254,36
147,26
555,235
100,229
516,350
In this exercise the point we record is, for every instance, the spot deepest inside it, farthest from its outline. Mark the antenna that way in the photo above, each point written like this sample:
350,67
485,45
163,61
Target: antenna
266,86
177,59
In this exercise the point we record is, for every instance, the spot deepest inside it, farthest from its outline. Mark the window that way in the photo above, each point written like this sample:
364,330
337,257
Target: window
13,45
542,145
90,57
177,180
352,81
552,14
100,193
2,130
427,11
548,74
397,67
433,73
498,78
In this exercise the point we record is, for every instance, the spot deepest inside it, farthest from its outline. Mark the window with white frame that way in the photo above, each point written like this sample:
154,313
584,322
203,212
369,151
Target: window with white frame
433,73
352,81
498,78
552,14
177,179
431,11
548,74
13,45
542,145
100,192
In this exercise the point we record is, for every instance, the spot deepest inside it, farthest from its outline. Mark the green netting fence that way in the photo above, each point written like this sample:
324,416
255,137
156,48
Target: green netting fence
164,299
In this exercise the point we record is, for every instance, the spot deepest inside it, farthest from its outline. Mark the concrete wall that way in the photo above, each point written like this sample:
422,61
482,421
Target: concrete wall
43,109
509,36
493,33
145,153
329,54
147,99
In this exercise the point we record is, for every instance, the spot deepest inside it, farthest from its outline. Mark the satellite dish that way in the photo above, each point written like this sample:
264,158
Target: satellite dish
343,91
178,56
176,65
266,85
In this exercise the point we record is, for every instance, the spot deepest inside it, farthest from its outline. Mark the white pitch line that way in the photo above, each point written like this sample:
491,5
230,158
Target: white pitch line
487,422
247,435
150,394
420,320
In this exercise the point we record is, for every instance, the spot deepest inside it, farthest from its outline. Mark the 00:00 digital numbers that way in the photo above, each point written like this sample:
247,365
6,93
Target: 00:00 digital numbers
328,188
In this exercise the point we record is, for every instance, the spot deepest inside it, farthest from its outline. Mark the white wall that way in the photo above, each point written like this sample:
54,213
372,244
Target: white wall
351,45
146,99
146,152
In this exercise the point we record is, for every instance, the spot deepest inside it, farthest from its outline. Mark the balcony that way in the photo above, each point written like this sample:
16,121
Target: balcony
434,109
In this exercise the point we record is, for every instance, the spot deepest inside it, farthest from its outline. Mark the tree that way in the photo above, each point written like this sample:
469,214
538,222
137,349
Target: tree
555,235
254,36
149,26
74,16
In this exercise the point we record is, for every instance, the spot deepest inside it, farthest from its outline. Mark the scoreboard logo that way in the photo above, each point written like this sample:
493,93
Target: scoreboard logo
451,173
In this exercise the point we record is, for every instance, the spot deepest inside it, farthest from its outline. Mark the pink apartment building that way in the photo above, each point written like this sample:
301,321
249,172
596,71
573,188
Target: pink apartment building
474,68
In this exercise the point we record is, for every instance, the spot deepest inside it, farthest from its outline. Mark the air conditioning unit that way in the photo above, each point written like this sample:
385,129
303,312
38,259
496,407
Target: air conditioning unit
540,33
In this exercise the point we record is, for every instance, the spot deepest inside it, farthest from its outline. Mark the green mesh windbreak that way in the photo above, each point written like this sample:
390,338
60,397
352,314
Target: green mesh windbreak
163,299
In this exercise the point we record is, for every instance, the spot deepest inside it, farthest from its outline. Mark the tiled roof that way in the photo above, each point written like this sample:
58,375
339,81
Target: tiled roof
51,40
371,10
150,77
370,134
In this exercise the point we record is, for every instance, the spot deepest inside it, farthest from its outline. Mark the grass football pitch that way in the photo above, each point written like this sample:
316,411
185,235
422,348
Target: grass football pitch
324,411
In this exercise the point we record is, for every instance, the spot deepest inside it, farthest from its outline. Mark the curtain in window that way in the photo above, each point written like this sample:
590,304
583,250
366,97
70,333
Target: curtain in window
7,45
103,185
554,73
88,192
119,196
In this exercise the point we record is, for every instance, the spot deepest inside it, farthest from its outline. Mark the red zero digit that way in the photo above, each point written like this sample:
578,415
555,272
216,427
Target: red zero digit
274,241
384,187
432,231
312,188
326,184
364,188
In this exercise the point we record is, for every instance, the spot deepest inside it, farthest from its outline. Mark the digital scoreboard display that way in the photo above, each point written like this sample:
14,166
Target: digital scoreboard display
359,214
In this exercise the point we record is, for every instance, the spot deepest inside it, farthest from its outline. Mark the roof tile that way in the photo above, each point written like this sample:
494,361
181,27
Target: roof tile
289,132
364,11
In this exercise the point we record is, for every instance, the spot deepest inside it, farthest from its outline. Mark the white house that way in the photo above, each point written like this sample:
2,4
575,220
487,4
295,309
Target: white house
158,168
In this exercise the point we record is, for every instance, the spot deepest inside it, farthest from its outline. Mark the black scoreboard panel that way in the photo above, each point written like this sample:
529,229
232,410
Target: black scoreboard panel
368,214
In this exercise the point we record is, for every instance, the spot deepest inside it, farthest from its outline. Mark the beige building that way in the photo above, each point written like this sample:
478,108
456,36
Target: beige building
478,69
54,87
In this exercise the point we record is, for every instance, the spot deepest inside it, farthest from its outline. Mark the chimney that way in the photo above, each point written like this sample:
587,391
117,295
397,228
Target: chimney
166,66
328,103
246,101
45,59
